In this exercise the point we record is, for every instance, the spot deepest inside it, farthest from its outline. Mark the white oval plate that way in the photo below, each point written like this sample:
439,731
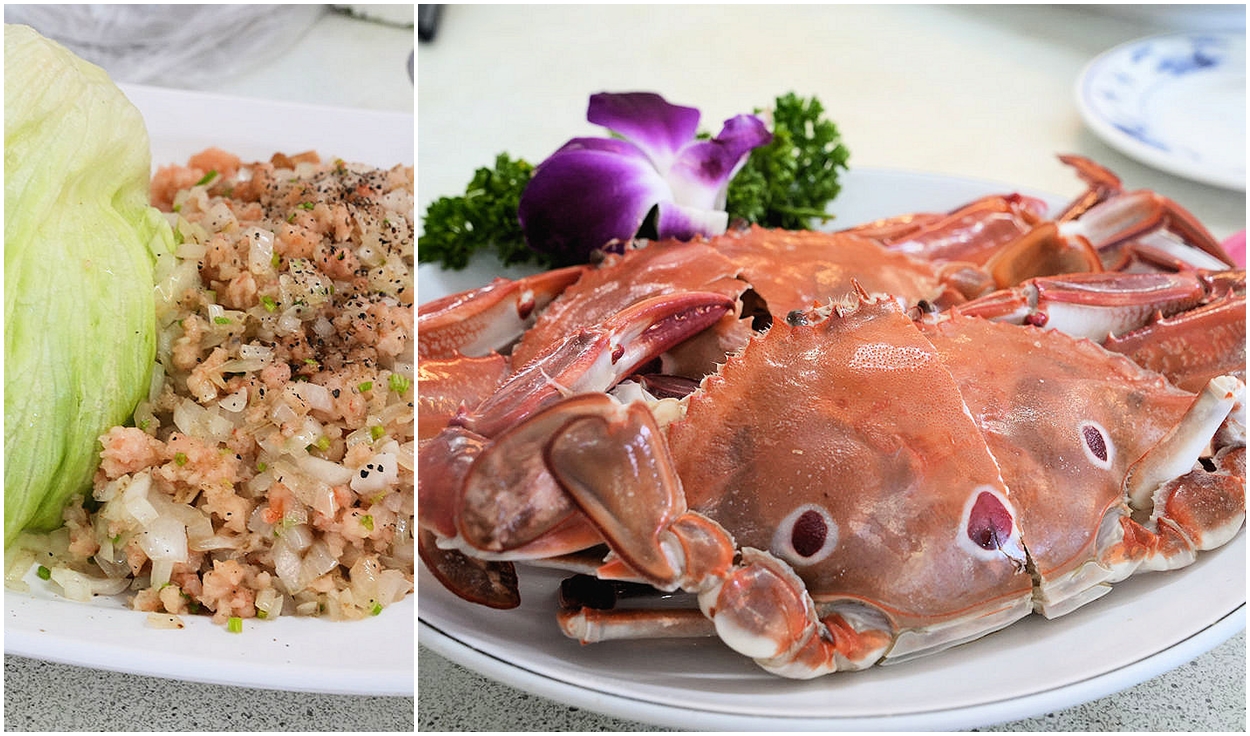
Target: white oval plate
1147,625
369,657
1175,102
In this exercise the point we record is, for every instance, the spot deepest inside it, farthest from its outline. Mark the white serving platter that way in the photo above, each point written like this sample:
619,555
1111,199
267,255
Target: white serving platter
370,657
1147,625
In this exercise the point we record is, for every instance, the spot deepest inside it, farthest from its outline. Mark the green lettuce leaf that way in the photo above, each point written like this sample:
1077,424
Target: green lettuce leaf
80,242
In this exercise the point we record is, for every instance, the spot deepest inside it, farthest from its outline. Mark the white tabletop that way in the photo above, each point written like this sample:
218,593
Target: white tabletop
977,91
338,61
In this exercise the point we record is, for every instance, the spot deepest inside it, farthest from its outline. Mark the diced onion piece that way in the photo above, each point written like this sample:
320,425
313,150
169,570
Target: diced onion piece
260,250
235,402
315,395
161,572
165,538
381,472
135,499
298,537
324,470
79,587
286,563
252,351
268,604
165,621
317,562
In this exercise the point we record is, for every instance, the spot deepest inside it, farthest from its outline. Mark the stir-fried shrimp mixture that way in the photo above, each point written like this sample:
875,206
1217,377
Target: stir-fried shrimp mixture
270,471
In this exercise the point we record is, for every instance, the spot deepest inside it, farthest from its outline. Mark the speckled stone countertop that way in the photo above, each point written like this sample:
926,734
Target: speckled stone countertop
1207,694
45,696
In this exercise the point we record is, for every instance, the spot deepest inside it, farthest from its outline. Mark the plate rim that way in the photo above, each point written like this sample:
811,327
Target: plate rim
1004,709
1130,146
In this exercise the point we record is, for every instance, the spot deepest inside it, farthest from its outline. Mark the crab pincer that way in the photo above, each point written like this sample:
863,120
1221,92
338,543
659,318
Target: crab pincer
475,470
479,321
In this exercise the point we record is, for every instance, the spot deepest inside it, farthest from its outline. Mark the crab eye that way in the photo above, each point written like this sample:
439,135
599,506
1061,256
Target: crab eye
989,522
1096,443
807,535
988,528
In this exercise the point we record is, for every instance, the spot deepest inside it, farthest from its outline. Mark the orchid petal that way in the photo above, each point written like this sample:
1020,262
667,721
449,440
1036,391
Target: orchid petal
614,146
700,176
685,222
648,120
587,195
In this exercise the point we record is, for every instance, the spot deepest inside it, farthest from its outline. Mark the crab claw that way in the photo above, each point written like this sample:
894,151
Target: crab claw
482,483
479,321
611,459
597,358
1213,339
1092,305
971,233
487,582
1150,228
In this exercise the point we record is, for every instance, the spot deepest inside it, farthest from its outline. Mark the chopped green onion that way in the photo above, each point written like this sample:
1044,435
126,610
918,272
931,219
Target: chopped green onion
307,206
399,384
291,217
261,467
221,320
365,386
44,573
212,174
180,458
262,615
268,303
234,625
367,521
275,260
376,432
322,443
377,608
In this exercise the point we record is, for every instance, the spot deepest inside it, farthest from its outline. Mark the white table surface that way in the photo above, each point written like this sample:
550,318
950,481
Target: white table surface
977,91
339,61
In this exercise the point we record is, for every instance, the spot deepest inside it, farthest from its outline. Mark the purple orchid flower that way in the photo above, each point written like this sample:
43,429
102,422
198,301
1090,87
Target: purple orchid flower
594,191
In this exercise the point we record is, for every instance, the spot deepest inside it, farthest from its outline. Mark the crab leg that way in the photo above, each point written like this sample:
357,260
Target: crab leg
447,387
1102,184
1178,452
971,233
595,359
1151,226
1091,305
1191,347
479,321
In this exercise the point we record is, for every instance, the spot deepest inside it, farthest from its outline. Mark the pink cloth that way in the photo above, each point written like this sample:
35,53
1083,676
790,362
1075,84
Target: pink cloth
1235,246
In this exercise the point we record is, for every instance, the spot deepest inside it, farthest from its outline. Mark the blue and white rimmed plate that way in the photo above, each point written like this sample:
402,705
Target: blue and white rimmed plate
1175,102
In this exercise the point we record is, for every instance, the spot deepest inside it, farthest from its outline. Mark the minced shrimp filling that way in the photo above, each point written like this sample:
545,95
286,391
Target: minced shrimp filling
269,472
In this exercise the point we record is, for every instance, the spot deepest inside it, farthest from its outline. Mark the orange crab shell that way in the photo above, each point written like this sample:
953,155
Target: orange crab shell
853,423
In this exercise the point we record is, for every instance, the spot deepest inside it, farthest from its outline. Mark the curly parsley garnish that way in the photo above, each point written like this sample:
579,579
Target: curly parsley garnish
788,182
484,218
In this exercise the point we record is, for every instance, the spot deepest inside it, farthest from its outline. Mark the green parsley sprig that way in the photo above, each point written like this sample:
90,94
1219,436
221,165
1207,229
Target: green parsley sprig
789,181
484,218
